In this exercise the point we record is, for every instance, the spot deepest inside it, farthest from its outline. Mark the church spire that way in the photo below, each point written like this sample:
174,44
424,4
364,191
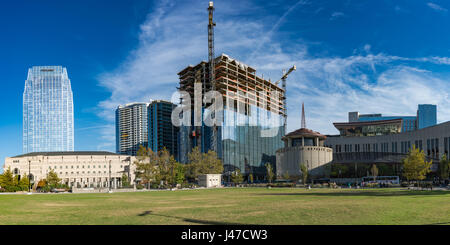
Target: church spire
303,116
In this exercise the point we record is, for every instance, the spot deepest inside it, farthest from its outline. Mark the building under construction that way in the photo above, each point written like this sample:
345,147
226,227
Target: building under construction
250,108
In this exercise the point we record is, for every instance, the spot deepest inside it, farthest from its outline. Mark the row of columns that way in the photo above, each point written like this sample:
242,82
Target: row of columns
115,182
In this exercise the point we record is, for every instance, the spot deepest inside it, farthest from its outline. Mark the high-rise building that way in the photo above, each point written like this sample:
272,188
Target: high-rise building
426,115
249,113
161,132
48,110
131,128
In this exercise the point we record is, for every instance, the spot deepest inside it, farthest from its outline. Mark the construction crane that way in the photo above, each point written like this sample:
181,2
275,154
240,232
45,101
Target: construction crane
283,85
211,57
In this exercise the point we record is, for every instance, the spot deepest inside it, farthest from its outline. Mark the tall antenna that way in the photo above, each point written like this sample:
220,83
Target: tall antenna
303,116
211,25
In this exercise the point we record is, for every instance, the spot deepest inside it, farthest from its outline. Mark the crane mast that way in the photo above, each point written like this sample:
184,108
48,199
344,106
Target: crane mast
211,25
283,85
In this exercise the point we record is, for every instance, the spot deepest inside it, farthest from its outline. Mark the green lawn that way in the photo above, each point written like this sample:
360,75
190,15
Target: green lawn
231,206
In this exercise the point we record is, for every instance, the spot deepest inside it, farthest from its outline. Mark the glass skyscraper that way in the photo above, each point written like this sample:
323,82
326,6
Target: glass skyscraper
48,110
161,132
426,115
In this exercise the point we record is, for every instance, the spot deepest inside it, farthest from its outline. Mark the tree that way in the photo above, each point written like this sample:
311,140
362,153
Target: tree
24,183
165,163
125,180
52,179
236,176
374,172
269,171
7,179
304,170
42,183
444,167
213,163
203,163
414,165
250,178
286,176
146,165
179,173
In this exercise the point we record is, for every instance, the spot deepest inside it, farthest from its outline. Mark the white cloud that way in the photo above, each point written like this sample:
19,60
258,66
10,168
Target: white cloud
336,15
436,7
174,36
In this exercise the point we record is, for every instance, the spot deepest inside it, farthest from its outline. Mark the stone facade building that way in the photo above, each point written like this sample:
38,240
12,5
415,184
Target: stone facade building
304,146
76,169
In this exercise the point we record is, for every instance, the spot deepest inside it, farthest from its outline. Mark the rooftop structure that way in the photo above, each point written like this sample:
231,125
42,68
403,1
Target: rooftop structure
303,146
426,116
369,128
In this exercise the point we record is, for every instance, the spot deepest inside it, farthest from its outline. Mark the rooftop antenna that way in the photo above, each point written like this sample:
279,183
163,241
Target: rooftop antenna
303,116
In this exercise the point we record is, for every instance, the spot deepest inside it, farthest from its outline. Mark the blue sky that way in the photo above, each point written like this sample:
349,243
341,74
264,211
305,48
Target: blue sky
368,56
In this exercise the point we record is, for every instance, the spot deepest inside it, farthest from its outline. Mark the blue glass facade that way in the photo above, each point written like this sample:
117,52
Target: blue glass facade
246,142
161,132
48,123
426,115
243,143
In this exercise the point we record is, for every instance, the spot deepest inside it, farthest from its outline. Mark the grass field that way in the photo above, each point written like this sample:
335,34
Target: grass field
231,206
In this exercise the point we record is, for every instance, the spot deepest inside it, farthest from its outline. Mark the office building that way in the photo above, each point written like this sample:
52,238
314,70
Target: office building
77,169
426,115
382,142
131,128
250,111
161,132
48,110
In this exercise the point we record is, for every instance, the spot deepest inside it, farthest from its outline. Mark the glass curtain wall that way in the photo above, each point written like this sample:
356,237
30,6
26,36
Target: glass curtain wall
48,110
